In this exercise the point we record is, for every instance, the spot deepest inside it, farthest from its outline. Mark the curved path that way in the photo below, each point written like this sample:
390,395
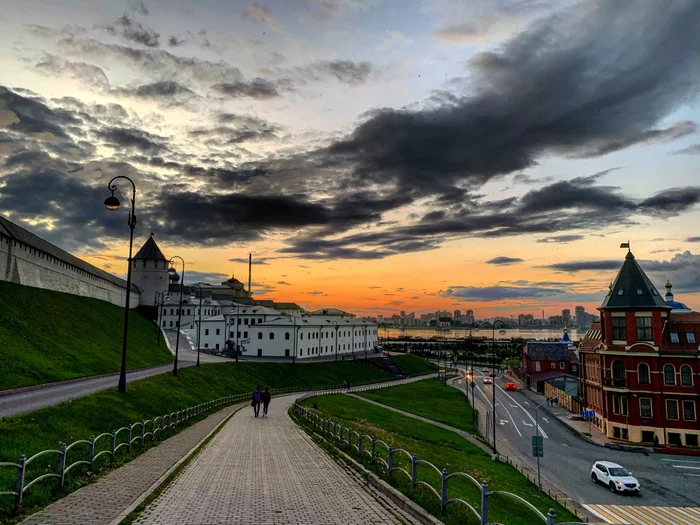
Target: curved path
267,470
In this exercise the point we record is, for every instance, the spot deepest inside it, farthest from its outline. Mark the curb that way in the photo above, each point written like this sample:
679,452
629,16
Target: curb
125,513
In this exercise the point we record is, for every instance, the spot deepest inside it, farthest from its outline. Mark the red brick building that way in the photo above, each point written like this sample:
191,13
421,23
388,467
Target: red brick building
640,366
548,362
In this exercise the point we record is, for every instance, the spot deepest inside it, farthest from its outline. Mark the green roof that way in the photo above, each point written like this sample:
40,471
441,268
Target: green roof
633,289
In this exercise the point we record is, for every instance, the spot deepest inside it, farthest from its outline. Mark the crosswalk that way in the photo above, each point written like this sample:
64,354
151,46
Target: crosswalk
638,515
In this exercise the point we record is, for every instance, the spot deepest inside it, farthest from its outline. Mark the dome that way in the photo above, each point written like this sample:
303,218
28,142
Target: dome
678,307
174,277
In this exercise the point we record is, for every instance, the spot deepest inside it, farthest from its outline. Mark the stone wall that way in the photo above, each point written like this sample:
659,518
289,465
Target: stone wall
25,265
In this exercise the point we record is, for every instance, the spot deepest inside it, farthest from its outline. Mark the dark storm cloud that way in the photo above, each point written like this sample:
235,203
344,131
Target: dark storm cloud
690,150
693,239
165,88
227,135
258,261
561,239
559,87
35,116
585,265
132,138
504,261
174,41
258,88
671,201
193,276
89,74
134,31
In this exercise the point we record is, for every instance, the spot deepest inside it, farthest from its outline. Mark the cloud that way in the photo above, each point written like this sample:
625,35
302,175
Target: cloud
260,15
573,267
316,293
504,261
134,31
283,283
132,138
193,276
690,150
174,41
683,269
258,88
498,293
562,239
261,261
346,71
693,239
87,73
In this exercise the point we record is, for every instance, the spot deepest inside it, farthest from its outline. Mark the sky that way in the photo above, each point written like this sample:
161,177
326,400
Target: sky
372,155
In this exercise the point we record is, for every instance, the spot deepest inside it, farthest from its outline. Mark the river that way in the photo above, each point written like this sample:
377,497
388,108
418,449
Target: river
460,333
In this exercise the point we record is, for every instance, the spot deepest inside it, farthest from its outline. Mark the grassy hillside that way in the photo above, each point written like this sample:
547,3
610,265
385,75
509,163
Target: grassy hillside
51,336
414,365
157,395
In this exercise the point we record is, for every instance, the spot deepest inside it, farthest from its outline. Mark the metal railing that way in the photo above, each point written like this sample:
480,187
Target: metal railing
125,437
354,441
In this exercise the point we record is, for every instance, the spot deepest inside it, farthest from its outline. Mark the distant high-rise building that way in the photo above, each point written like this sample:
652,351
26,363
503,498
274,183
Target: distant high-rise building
458,313
580,316
566,317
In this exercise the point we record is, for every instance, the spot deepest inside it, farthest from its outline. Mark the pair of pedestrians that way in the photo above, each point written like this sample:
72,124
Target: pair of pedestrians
261,397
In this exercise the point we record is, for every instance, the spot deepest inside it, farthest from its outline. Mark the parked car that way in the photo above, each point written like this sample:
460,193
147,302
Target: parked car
511,386
615,477
487,381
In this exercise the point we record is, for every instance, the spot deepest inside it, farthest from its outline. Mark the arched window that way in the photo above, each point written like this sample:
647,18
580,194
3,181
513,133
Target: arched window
302,337
618,370
259,335
686,375
670,375
272,335
286,335
643,373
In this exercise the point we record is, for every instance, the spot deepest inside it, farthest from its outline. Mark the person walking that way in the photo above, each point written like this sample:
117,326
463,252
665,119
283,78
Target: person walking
257,397
266,397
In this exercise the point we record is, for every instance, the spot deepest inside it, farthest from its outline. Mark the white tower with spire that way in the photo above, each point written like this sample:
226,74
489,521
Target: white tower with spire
149,272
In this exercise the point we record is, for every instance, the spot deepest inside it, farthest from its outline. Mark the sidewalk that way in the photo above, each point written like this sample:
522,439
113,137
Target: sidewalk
111,495
266,471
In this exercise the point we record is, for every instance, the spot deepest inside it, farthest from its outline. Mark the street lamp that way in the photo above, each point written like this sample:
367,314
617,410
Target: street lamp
172,271
493,384
199,324
112,203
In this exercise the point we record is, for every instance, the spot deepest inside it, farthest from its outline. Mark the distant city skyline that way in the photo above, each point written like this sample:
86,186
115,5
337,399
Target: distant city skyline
373,156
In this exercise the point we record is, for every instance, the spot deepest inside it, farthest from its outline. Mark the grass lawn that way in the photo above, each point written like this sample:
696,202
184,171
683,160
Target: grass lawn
428,398
414,365
50,336
444,449
101,412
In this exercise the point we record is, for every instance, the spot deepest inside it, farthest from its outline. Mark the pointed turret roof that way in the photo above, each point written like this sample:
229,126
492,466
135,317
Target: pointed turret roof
632,288
150,251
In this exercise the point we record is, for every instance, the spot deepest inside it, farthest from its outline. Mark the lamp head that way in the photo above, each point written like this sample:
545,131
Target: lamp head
112,203
193,295
171,270
502,331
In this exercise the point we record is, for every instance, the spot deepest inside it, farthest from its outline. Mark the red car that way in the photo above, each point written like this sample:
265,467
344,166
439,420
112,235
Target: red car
511,386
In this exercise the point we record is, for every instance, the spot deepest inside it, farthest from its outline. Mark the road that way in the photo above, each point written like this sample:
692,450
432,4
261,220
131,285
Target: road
666,480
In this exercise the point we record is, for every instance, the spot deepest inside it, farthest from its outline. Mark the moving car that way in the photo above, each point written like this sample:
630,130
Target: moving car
511,386
484,369
487,381
616,477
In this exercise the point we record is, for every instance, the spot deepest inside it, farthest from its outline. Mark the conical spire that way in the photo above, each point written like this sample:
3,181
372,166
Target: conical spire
150,251
632,288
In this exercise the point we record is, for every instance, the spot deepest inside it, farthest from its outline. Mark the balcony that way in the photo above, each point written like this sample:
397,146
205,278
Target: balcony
615,382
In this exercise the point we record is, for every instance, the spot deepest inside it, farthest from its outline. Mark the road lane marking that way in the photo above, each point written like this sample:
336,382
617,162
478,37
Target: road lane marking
685,466
545,420
681,461
511,418
641,515
528,424
544,434
694,475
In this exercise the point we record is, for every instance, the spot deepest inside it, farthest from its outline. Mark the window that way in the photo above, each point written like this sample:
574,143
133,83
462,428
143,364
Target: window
301,337
620,291
674,337
286,336
562,365
689,410
623,407
245,321
691,440
644,330
669,375
619,329
260,320
686,375
252,322
671,409
230,335
645,407
643,373
259,335
616,404
245,335
272,335
218,331
618,369
553,364
217,346
639,291
238,334
690,336
239,321
286,352
206,331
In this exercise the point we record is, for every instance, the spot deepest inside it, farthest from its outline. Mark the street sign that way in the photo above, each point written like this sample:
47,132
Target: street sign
537,447
472,384
588,413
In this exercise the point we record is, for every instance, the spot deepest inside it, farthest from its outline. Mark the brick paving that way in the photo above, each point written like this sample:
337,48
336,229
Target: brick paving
103,501
266,471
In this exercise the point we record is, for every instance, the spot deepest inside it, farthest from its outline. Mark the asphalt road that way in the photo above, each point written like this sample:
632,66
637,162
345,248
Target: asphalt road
666,480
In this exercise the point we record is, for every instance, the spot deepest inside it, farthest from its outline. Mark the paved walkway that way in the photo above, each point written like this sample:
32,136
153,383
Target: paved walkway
32,400
106,499
266,471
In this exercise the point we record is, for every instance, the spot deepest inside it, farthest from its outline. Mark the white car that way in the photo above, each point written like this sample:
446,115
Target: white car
487,381
615,477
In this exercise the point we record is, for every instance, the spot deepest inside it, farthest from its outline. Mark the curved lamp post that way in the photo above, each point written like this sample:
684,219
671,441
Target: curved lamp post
112,203
171,271
199,324
493,369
